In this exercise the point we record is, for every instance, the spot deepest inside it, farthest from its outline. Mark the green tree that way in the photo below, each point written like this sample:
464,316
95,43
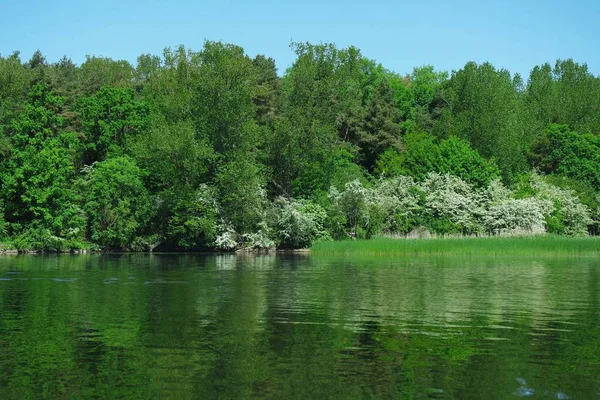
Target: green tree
97,72
177,166
242,193
427,85
424,154
14,89
484,110
111,118
62,76
564,152
268,88
37,176
381,127
322,107
116,202
223,88
566,94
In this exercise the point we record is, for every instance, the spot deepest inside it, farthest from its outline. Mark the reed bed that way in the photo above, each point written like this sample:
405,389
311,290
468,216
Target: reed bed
545,245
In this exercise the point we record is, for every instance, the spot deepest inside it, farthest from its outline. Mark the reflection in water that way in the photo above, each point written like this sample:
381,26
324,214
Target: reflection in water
191,326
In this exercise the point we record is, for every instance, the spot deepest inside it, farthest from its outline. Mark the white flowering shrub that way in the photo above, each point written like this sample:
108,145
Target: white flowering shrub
260,240
228,239
451,204
299,223
497,193
355,211
563,211
505,215
398,200
520,216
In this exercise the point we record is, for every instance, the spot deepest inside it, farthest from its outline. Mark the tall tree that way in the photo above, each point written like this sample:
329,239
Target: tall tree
111,119
566,94
381,127
485,110
37,177
97,72
268,86
426,85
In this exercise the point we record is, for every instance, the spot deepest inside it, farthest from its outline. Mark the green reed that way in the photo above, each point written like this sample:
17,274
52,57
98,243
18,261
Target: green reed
546,245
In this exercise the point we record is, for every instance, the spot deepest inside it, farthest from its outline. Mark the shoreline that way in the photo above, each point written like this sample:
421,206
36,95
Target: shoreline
531,246
241,252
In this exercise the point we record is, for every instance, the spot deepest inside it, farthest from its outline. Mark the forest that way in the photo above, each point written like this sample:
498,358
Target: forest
216,150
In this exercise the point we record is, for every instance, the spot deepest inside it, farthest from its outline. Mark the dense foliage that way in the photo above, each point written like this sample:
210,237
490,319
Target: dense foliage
212,149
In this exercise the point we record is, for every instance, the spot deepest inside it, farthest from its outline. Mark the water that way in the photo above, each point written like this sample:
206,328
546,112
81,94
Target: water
190,326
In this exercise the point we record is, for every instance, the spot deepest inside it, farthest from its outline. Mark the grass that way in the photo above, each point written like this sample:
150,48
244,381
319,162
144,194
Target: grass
546,245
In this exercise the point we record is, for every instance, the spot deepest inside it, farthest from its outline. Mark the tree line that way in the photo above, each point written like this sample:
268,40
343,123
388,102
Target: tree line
212,149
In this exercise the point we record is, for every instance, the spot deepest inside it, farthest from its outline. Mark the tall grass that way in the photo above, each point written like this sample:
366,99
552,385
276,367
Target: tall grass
546,245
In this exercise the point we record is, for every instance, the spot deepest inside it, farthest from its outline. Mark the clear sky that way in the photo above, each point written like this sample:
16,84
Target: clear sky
516,35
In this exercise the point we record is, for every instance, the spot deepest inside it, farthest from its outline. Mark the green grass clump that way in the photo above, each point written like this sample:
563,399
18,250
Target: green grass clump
546,245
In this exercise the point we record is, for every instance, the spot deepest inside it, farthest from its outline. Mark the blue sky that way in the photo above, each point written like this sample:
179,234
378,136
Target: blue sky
516,35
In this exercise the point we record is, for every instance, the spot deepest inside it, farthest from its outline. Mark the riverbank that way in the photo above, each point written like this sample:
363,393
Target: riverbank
7,248
11,249
530,246
545,245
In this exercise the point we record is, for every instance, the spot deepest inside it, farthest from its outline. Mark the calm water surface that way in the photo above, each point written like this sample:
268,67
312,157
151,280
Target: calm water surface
234,327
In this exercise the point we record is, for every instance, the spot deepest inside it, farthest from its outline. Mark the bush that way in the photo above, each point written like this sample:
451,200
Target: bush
38,238
259,240
299,223
497,193
398,199
227,240
355,212
564,213
515,216
451,205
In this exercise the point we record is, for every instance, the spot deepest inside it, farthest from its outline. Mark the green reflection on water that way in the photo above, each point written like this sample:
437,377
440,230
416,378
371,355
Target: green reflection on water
191,326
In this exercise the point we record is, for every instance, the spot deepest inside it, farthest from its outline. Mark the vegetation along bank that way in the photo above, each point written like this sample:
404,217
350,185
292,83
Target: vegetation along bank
214,150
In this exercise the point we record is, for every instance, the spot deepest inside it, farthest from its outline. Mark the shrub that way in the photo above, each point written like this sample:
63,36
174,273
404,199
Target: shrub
451,205
355,212
398,199
228,239
299,223
39,238
259,240
497,193
515,216
565,214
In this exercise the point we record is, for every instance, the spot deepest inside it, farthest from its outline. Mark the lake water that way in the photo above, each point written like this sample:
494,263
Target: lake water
306,327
